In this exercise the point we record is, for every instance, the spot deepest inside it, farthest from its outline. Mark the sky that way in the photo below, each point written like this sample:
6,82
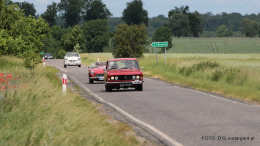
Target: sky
162,7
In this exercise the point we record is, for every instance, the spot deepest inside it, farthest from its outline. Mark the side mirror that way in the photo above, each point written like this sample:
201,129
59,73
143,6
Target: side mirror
104,69
142,68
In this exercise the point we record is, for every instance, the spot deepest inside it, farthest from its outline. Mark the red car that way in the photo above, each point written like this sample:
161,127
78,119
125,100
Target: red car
96,72
123,73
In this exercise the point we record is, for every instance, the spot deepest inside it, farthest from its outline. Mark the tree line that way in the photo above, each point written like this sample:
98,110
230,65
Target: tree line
87,26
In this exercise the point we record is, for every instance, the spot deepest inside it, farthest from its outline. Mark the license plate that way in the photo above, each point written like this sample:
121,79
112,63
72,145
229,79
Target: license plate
100,78
125,85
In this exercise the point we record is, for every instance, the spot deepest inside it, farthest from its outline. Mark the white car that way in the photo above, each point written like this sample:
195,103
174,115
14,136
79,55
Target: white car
72,59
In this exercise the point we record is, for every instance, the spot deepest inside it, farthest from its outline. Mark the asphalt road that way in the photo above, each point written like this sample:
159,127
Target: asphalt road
177,115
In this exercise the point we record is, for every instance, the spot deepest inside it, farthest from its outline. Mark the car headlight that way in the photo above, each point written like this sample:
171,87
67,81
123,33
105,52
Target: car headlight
92,72
137,77
78,58
112,78
133,77
116,77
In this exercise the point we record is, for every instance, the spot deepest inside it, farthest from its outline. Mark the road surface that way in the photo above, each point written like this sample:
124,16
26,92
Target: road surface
176,115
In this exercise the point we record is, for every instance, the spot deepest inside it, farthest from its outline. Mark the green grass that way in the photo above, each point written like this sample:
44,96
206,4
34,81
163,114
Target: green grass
232,75
222,45
38,114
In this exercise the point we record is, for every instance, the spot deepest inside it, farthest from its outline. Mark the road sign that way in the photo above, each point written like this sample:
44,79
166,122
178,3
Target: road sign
41,52
159,44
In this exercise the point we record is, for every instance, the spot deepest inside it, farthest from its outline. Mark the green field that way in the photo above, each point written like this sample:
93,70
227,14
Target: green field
232,75
34,112
221,45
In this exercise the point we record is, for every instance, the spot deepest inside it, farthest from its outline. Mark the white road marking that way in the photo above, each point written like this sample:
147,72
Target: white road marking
61,69
57,67
173,142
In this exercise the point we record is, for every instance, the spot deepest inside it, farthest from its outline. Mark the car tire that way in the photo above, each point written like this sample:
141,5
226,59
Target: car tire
65,66
90,81
140,87
109,88
79,65
106,87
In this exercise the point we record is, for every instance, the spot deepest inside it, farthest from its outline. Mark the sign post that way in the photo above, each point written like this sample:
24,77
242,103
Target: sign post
160,44
64,84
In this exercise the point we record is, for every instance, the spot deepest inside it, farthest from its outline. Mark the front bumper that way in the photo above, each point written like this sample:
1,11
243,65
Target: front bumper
72,63
136,82
97,78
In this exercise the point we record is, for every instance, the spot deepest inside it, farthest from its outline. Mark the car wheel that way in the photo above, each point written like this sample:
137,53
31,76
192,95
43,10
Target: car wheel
140,87
90,81
109,88
64,66
79,65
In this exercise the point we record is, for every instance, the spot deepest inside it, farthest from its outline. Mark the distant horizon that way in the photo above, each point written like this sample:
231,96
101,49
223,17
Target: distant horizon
155,7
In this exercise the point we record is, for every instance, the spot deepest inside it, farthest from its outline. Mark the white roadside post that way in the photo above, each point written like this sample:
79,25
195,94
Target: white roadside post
98,60
64,84
43,61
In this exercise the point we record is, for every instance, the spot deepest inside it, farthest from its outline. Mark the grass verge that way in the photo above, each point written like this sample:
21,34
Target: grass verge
36,113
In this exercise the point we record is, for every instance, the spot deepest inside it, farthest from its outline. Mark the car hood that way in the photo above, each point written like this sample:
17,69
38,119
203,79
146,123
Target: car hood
72,58
124,72
97,70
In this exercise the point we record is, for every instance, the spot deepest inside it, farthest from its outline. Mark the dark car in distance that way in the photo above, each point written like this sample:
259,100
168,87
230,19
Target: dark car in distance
48,56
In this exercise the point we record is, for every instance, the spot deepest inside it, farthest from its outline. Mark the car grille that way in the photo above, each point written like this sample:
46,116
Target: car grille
99,75
72,61
127,77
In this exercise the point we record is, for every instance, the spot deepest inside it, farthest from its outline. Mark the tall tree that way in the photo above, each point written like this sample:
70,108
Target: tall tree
179,25
182,9
223,31
196,23
96,10
96,34
18,33
163,34
129,40
50,14
73,38
57,32
134,13
71,11
28,8
249,28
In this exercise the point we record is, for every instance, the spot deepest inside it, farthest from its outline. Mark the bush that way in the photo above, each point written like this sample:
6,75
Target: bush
216,75
205,65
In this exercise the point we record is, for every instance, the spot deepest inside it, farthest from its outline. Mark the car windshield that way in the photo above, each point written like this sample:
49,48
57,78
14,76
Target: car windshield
48,54
123,64
72,55
98,64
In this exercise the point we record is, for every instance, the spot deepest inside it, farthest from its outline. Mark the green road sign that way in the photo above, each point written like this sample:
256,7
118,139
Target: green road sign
159,44
41,52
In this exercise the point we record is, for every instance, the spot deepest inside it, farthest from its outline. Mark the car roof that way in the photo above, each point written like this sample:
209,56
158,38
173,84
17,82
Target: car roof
117,59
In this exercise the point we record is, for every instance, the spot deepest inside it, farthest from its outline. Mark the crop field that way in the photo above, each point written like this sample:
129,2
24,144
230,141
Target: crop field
232,75
222,45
